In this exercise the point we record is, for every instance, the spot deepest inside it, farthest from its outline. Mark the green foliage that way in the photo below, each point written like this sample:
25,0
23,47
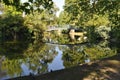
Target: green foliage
84,13
35,56
112,8
78,11
30,5
38,23
1,7
32,25
98,20
115,35
91,34
12,25
75,55
92,13
99,52
64,18
103,31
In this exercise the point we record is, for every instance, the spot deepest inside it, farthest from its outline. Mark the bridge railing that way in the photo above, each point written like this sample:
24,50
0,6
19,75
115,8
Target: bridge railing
56,28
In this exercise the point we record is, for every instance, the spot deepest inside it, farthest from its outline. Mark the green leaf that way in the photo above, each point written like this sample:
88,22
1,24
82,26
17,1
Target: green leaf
31,1
26,4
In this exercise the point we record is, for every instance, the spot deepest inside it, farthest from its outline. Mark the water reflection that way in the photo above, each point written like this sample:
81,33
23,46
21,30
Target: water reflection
55,37
78,54
57,63
38,58
34,60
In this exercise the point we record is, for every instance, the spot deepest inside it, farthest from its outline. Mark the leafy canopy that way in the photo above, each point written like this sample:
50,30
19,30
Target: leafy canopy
92,12
30,5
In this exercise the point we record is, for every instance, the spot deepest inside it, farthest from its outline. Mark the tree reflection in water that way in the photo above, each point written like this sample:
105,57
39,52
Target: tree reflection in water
35,58
33,61
78,54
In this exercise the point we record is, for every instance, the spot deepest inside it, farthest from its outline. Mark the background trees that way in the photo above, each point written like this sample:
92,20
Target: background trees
88,14
93,13
30,5
38,23
16,27
12,25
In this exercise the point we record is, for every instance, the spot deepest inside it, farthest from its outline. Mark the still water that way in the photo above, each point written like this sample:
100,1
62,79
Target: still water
20,59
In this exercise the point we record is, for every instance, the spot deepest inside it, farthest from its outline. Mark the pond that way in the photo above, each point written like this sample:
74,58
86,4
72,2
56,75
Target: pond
23,58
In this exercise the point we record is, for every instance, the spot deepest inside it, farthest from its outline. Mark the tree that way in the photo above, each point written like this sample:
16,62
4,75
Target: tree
84,11
40,22
1,7
112,8
78,11
64,18
35,22
30,5
12,25
93,13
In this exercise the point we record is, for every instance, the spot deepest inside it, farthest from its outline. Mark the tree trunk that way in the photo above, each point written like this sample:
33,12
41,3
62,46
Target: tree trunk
14,34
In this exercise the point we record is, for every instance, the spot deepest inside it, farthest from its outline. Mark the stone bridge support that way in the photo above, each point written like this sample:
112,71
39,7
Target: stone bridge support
81,35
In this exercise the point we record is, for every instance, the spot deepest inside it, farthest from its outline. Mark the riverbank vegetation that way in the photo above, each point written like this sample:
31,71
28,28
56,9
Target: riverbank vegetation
92,14
15,25
24,30
100,20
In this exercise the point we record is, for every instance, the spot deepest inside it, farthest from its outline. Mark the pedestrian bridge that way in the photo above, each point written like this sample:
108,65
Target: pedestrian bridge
56,29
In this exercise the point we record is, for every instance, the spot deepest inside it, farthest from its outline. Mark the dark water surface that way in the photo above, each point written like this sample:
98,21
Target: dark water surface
20,59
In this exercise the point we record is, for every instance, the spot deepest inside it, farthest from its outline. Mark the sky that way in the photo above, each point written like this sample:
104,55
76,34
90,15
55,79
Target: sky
59,4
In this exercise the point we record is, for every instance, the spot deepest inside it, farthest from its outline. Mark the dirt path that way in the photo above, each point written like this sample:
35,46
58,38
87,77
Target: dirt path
106,69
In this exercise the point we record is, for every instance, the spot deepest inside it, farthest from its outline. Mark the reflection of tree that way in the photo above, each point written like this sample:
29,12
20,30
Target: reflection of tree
41,50
74,55
100,50
39,55
12,61
12,67
13,50
35,58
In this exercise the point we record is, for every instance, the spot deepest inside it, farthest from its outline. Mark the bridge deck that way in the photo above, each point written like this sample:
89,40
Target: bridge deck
56,29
